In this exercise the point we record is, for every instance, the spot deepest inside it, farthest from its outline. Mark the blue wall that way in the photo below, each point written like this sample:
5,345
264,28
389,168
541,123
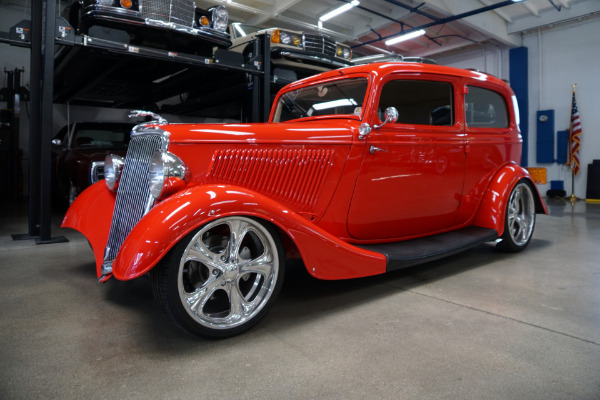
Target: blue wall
518,68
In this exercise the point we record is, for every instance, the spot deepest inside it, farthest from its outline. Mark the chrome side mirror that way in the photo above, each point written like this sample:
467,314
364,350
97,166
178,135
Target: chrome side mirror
390,115
57,142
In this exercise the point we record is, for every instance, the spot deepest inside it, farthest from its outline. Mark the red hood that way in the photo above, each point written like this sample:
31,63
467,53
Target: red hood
313,131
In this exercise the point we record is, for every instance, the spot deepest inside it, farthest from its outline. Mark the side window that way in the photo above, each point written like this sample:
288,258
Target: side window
485,109
419,102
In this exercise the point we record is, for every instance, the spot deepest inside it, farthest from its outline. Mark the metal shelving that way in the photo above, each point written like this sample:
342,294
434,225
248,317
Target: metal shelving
105,71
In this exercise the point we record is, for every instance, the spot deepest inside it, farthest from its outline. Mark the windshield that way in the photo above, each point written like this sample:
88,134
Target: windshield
240,30
341,97
101,135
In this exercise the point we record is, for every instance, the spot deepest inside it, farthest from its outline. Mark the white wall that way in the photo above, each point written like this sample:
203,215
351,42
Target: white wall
559,57
490,58
569,53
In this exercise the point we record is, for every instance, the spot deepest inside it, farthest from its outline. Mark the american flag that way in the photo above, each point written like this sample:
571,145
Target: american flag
574,136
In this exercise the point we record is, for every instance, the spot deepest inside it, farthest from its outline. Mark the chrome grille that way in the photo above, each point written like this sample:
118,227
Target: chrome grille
133,194
318,43
180,12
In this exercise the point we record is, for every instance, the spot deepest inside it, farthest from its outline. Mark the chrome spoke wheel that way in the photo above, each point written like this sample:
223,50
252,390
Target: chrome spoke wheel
520,218
226,276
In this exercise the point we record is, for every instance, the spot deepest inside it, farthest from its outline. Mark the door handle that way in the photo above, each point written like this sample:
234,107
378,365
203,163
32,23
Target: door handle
374,149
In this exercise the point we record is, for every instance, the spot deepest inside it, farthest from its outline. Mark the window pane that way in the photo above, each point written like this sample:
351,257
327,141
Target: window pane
419,102
331,98
485,109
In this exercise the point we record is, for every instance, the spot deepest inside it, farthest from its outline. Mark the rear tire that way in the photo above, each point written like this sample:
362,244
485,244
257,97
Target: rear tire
519,221
223,278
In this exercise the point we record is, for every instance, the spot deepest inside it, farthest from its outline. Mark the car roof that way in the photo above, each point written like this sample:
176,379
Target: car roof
385,68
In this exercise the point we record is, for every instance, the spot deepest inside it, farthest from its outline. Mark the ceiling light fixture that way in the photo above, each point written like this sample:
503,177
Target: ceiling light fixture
338,11
404,37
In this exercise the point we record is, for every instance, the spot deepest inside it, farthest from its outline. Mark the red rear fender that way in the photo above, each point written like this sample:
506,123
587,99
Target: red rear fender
492,210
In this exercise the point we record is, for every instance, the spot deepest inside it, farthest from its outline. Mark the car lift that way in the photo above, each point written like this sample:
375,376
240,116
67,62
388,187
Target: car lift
42,38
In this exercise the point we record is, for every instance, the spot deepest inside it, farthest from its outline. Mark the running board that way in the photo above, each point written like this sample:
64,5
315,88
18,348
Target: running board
418,251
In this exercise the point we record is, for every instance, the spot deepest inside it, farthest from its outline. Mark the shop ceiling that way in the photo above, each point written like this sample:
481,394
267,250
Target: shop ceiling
367,25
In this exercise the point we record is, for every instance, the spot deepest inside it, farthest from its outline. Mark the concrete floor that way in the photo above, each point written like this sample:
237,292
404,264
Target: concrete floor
479,325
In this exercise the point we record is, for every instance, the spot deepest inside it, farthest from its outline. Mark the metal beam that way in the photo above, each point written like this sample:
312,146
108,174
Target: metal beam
576,10
489,24
445,20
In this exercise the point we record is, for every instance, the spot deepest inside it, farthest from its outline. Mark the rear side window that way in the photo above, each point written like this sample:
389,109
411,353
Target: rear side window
419,102
485,109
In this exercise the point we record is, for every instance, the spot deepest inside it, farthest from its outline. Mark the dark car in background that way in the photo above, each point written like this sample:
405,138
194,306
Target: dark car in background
174,24
78,152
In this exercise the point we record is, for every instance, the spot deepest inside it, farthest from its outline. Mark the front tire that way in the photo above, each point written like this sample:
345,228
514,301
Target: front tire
223,278
519,221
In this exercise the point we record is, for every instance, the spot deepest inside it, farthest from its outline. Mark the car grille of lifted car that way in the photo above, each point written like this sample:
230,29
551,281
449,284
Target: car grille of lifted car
179,12
318,43
133,194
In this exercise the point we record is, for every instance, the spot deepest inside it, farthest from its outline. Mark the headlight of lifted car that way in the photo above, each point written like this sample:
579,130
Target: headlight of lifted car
219,17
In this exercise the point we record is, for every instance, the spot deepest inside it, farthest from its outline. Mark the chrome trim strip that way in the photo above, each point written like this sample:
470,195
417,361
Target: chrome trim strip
111,10
94,171
314,58
135,18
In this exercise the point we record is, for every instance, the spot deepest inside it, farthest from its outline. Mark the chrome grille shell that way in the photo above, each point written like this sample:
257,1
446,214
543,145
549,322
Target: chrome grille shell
133,194
178,12
319,43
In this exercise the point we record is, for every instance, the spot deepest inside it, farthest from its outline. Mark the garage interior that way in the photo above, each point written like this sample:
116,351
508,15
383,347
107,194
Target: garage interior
480,324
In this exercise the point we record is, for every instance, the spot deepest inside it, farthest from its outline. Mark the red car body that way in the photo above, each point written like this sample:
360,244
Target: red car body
338,188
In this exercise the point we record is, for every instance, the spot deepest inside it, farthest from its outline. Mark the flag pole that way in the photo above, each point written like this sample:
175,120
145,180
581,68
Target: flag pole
573,198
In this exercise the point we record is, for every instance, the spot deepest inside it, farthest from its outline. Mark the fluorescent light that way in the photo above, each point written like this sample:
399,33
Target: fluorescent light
339,10
334,103
407,36
368,58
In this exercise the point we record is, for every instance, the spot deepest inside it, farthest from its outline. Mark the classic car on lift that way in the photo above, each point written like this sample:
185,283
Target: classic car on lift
171,24
304,53
359,171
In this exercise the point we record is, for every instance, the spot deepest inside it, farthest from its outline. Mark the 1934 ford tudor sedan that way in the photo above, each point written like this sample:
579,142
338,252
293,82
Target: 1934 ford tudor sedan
359,171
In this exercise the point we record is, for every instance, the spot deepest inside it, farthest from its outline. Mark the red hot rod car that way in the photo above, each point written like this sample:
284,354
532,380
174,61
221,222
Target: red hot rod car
359,171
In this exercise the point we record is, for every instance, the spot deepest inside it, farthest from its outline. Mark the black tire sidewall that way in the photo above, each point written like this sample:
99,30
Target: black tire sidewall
165,284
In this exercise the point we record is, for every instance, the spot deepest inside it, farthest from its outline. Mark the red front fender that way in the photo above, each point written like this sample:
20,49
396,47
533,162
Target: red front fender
492,210
324,255
91,214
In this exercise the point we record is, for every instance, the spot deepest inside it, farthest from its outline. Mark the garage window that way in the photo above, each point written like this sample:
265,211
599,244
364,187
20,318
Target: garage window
485,109
419,102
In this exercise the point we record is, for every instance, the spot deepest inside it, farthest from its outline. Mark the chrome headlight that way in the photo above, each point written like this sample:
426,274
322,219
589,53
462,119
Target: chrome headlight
220,17
167,174
343,52
347,53
113,166
283,37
